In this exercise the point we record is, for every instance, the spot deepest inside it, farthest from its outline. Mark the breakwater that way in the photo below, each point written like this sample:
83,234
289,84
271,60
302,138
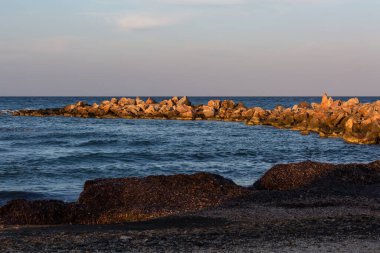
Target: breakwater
351,120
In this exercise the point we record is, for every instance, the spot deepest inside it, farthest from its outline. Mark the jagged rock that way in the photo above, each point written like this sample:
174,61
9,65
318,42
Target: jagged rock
216,104
304,105
126,101
208,111
139,101
175,100
113,101
326,102
352,121
228,104
153,109
80,103
351,102
184,101
150,101
69,108
183,108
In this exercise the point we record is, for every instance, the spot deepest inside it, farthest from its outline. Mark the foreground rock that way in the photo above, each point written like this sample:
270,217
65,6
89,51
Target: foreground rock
351,120
106,201
308,175
127,199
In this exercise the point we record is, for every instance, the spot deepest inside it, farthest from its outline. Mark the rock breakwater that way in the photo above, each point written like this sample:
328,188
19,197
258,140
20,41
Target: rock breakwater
351,120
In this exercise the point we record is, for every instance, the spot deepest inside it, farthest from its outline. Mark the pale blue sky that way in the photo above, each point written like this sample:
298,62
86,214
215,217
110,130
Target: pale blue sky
189,47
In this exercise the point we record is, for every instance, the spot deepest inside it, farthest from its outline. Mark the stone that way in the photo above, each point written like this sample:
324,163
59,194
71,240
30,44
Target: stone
126,101
152,109
216,104
150,101
351,102
69,108
184,101
113,101
175,100
139,101
326,102
228,104
208,111
306,175
183,108
304,105
133,199
41,212
80,104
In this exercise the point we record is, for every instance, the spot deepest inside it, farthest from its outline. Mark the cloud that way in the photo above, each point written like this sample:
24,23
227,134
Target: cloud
144,22
204,2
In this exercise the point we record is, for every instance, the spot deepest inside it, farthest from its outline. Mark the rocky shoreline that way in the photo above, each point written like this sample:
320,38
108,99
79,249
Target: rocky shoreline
301,207
107,201
351,120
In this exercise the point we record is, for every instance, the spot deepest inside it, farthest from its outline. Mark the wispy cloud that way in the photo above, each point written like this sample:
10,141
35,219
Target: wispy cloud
144,22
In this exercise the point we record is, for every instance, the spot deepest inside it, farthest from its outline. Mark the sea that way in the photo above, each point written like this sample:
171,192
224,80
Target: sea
52,157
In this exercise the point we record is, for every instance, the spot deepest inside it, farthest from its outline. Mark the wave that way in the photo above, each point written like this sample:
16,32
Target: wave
6,112
97,142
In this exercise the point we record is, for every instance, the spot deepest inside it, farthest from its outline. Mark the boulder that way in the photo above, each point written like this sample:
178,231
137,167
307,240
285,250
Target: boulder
175,100
150,101
69,108
306,175
41,212
228,104
134,109
126,101
208,111
304,105
113,101
216,104
326,102
184,101
183,108
139,101
81,104
152,109
351,102
105,201
132,199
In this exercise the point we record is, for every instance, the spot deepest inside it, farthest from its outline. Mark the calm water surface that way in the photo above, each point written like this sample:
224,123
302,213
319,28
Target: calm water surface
52,157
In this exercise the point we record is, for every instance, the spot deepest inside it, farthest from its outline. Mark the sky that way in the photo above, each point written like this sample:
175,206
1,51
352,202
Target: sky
189,47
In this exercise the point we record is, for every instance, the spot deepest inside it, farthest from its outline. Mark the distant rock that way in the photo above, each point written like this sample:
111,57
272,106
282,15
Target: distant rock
350,120
150,101
184,101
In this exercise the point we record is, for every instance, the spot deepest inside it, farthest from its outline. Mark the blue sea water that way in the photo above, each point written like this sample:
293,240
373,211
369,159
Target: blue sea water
52,157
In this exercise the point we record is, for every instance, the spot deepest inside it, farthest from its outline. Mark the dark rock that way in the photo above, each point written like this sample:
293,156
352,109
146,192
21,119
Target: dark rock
41,212
311,174
127,199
